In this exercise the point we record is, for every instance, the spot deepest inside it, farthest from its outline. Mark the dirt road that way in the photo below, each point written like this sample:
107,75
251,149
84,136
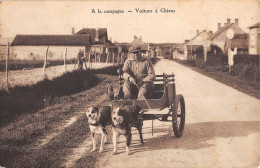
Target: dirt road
222,128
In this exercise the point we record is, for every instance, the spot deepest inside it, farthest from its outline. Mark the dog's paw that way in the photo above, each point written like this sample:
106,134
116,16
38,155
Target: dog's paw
93,150
114,152
100,150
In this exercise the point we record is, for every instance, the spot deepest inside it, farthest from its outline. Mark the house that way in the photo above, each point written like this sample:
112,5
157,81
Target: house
220,39
29,47
200,40
94,42
102,49
254,39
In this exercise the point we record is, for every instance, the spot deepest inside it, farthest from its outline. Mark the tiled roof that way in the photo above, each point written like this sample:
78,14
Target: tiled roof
72,40
255,25
237,31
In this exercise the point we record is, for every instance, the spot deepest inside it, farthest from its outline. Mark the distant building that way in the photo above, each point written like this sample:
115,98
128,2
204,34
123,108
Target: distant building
254,39
3,46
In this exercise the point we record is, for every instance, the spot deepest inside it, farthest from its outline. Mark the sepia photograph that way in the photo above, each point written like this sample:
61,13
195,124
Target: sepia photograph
129,84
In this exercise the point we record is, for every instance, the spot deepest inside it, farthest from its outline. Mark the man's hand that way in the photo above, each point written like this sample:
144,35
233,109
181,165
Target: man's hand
139,84
132,80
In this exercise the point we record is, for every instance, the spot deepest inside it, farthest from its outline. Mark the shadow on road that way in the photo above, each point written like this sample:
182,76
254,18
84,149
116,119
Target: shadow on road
196,135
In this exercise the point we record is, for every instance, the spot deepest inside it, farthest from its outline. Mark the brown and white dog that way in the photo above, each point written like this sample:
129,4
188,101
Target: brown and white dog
123,118
98,120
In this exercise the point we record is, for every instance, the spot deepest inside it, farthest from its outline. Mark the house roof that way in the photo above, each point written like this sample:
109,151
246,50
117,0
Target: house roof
254,25
222,29
72,40
102,34
204,31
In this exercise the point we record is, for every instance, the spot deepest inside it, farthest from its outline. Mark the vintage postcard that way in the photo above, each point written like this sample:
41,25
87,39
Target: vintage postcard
111,84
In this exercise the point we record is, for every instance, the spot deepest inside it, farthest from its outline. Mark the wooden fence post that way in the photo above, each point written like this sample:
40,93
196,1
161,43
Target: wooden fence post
107,57
6,67
89,60
45,62
113,58
99,60
65,55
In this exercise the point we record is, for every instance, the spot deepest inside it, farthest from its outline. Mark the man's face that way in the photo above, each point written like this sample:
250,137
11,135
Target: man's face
137,54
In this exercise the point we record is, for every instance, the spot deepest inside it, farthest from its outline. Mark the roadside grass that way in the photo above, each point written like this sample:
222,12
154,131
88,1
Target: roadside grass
19,139
243,77
28,99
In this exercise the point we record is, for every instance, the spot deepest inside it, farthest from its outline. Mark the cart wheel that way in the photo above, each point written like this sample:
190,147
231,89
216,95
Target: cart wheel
178,116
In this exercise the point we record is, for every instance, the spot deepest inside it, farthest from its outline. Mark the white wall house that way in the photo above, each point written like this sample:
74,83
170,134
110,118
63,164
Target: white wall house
34,47
38,52
254,39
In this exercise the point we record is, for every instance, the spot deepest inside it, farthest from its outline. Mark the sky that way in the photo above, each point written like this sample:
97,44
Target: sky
59,17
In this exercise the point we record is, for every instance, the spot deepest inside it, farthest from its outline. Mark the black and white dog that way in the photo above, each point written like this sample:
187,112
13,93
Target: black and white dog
98,120
123,118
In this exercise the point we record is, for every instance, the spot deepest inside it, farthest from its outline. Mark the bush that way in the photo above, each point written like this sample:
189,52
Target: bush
112,70
245,58
199,53
246,71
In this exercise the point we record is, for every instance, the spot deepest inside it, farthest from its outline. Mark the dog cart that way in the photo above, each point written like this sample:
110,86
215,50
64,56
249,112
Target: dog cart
163,97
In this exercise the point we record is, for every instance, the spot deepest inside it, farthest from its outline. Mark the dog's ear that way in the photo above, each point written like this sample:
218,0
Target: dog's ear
129,108
95,108
121,111
87,109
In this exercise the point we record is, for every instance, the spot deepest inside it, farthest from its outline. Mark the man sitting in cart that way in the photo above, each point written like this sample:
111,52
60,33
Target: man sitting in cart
138,74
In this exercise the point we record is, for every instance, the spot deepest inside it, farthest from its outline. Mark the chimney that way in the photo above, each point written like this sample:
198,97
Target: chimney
73,31
219,26
198,32
228,21
236,21
140,38
210,33
225,24
96,38
204,31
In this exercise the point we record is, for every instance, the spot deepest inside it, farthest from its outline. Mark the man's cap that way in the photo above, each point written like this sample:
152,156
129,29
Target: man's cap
134,48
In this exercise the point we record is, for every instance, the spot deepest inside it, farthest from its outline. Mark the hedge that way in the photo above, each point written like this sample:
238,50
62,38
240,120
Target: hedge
245,58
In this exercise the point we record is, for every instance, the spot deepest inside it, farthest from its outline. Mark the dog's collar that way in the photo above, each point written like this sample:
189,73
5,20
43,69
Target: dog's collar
94,124
122,125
